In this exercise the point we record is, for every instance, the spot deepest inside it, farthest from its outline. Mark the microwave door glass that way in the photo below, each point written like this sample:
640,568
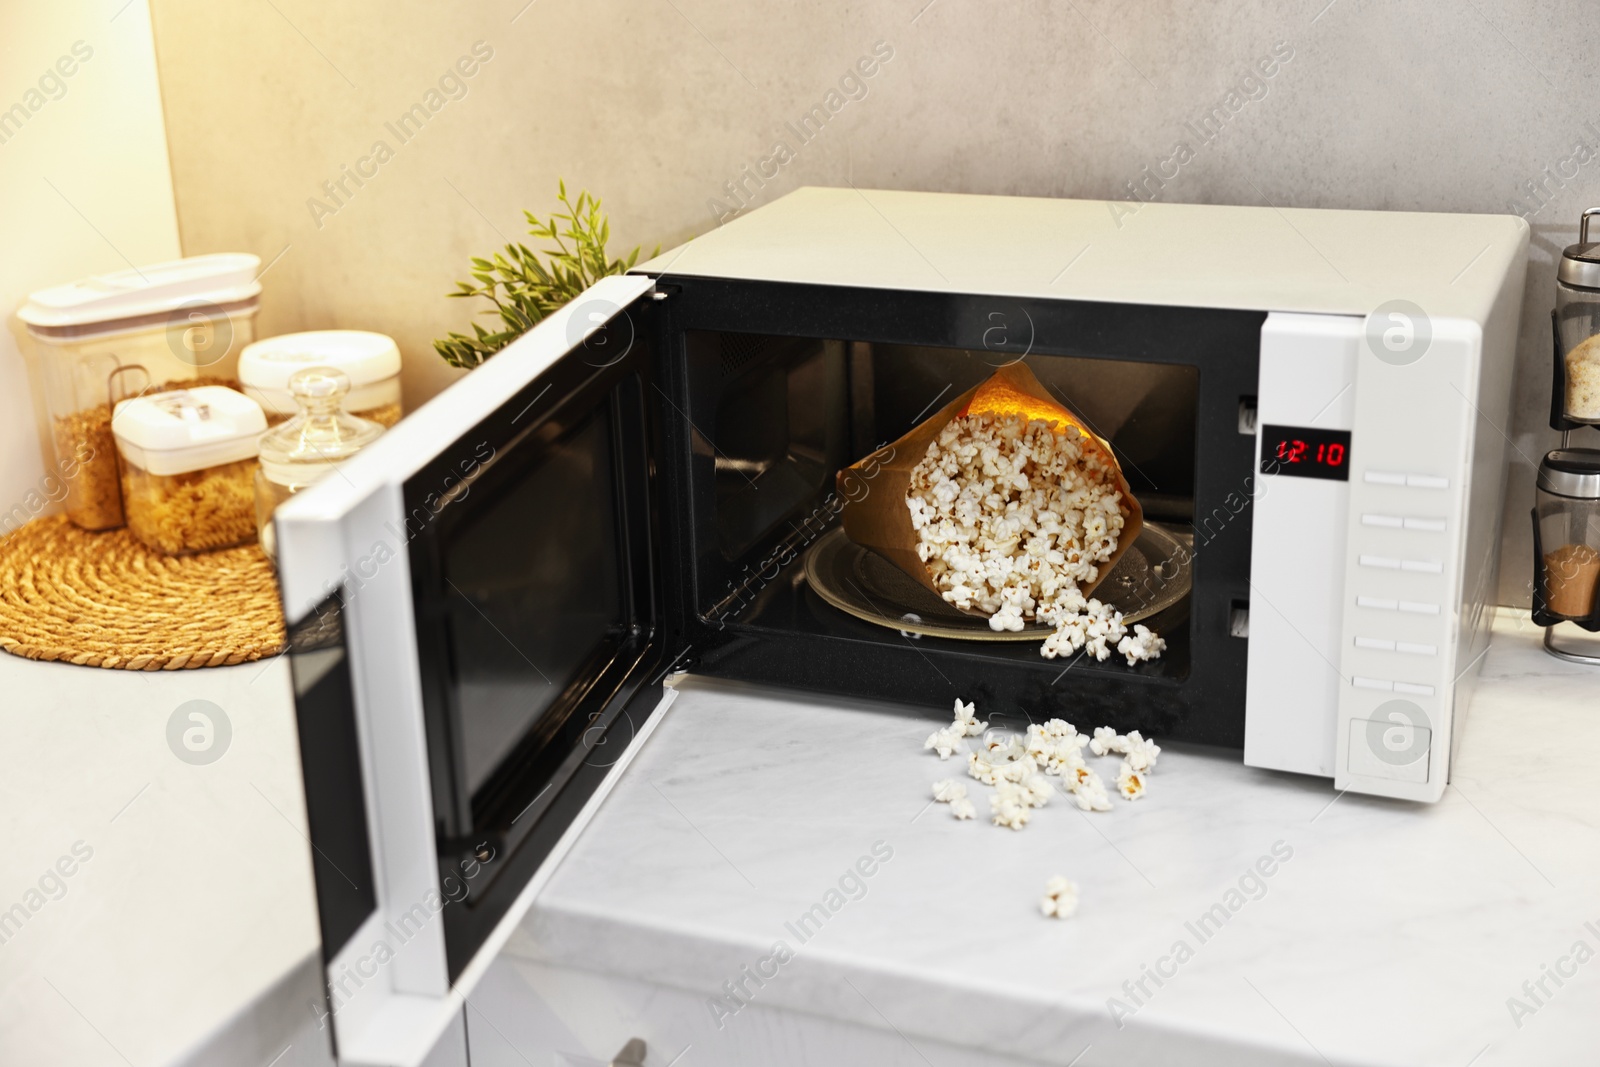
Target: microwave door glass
531,592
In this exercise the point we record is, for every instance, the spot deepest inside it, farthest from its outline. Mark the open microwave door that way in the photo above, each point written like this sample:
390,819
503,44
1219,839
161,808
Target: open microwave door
477,643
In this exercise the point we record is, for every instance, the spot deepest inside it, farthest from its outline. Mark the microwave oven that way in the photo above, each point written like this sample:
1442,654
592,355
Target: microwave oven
484,604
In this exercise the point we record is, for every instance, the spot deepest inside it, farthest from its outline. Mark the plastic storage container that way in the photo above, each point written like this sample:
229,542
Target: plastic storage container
188,463
121,335
1577,327
308,447
370,361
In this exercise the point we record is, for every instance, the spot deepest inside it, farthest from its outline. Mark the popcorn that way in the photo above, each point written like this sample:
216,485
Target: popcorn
1089,792
946,741
1060,900
1140,753
979,767
1037,791
1010,808
967,718
1130,783
1055,746
1107,740
1013,519
962,808
948,790
1142,644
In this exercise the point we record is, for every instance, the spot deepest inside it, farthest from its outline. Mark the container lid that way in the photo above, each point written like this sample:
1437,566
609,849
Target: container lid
1571,472
187,430
363,357
143,292
1580,263
312,444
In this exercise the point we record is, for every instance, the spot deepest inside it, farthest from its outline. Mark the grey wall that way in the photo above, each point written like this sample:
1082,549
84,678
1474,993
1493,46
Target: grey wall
655,104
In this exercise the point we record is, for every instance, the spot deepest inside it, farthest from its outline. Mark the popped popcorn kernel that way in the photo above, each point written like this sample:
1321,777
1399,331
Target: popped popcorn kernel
1060,900
946,742
948,790
1130,783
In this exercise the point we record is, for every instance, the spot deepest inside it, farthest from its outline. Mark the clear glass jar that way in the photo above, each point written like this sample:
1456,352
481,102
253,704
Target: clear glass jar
1578,325
114,336
1567,515
188,463
308,447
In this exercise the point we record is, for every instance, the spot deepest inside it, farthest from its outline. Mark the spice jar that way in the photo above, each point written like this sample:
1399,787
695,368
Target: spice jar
1567,538
188,457
1577,332
370,361
309,446
119,335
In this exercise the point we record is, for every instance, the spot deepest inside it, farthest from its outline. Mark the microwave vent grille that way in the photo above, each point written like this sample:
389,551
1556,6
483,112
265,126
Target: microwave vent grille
738,349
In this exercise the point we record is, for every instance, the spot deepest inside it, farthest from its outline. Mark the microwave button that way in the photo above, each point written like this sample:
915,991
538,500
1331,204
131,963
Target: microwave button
1383,478
1381,644
1430,525
1389,749
1416,649
1422,566
1416,607
1427,481
1372,683
1377,602
1394,522
1414,689
1384,562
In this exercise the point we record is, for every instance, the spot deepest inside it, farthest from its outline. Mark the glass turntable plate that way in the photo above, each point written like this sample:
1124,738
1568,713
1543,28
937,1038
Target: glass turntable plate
1151,577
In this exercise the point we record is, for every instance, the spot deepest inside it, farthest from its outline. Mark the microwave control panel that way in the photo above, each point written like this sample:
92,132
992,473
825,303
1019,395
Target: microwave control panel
1415,413
1355,552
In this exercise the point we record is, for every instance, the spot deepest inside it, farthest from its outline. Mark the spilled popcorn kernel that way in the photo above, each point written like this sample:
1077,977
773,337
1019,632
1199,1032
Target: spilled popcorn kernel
1130,783
1106,741
1060,900
948,790
967,718
946,742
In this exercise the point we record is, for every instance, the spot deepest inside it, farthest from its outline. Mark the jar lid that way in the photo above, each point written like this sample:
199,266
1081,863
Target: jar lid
364,357
1580,263
185,430
1571,472
311,445
107,301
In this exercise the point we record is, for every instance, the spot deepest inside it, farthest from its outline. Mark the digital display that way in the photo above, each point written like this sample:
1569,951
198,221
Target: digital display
1303,452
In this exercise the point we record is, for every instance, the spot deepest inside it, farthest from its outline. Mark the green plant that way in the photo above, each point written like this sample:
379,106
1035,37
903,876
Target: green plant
523,290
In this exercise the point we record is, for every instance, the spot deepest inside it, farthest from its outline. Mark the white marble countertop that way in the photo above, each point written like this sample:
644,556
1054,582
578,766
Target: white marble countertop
1395,933
186,930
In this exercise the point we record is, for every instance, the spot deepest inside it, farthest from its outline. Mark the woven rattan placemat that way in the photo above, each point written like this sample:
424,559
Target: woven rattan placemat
105,600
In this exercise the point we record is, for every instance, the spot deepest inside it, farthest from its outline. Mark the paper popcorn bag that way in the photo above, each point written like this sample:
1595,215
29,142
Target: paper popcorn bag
876,514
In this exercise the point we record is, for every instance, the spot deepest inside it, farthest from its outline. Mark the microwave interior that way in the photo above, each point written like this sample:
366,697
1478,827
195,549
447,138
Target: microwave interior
661,508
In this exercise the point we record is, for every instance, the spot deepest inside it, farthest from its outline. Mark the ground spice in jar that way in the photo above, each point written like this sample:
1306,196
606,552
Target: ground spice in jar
1571,574
1583,380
